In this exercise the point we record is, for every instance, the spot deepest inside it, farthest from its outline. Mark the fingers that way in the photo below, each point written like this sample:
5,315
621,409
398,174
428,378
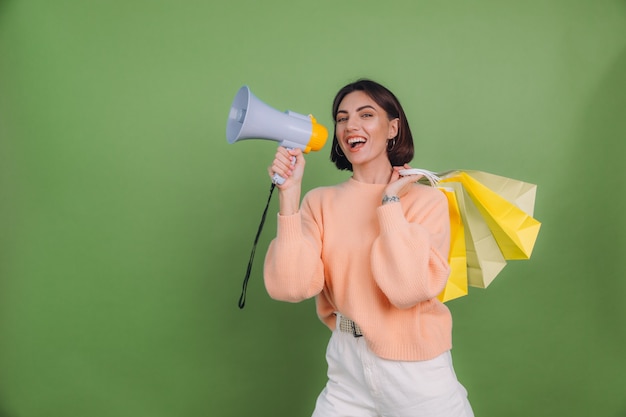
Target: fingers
282,163
414,176
400,184
286,162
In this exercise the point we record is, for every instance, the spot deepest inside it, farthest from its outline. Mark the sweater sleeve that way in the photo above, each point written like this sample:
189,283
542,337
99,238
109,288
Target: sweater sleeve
293,269
410,258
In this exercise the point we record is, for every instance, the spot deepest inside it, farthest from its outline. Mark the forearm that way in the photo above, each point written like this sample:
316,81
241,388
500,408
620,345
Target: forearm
293,270
409,260
289,201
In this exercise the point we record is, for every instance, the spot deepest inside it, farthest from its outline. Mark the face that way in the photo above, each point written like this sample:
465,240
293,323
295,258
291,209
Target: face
363,129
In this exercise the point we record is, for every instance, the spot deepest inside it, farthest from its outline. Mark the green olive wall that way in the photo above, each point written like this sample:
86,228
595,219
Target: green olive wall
127,220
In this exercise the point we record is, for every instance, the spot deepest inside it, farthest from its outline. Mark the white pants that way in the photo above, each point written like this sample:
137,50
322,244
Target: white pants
361,384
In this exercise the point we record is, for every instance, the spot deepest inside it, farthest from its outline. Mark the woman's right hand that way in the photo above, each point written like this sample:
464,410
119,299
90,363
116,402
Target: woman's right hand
289,164
283,165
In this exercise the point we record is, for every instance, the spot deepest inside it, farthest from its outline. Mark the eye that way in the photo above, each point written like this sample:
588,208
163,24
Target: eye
367,115
341,119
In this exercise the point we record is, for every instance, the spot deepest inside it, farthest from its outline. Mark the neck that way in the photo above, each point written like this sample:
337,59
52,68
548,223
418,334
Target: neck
372,174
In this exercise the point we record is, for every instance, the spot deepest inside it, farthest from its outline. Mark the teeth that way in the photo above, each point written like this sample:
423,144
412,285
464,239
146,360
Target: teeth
352,141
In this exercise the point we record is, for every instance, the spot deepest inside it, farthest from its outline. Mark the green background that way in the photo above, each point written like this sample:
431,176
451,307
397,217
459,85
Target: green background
126,219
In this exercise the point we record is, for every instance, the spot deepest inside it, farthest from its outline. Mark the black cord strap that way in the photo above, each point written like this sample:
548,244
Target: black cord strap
242,298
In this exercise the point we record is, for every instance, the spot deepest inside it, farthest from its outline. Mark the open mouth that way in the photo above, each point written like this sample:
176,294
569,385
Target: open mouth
356,142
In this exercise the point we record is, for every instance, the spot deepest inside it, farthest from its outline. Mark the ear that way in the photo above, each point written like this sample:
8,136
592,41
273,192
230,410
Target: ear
393,128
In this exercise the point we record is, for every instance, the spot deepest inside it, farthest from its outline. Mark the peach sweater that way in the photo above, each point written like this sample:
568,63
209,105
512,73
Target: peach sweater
380,265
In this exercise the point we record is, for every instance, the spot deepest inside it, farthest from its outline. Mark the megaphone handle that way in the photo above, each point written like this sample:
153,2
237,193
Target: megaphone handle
277,179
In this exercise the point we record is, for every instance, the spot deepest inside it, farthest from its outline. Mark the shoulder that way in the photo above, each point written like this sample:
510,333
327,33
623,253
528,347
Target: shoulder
423,199
423,191
319,192
318,197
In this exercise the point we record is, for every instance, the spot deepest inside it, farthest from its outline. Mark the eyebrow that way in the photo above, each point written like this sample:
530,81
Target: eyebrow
367,106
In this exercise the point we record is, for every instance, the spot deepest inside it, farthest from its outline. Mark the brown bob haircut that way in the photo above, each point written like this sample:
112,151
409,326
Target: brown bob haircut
402,151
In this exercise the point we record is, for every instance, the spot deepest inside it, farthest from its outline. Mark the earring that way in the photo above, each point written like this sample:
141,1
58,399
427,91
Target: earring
338,150
393,144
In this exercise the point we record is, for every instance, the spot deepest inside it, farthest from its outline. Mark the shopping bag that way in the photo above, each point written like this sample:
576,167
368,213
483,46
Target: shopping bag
484,258
520,193
514,230
457,281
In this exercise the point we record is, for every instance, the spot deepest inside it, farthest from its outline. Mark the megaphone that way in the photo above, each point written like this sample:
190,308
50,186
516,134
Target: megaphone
250,118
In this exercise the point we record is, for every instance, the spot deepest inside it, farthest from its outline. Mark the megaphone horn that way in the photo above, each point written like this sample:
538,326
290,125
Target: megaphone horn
250,118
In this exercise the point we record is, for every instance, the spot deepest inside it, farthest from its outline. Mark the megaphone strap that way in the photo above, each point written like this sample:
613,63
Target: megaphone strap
242,298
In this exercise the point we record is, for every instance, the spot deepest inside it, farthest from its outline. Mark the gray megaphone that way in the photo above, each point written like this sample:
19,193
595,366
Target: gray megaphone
250,118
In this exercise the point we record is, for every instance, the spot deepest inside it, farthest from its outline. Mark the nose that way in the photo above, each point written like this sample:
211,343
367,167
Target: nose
352,123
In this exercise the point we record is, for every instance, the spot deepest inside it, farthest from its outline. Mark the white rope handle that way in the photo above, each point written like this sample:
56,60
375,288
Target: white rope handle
429,175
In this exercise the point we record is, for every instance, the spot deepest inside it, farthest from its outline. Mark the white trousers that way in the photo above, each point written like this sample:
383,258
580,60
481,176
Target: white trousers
361,384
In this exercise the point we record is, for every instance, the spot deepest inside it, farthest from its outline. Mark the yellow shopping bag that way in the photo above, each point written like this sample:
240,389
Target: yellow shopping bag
514,230
520,193
484,258
457,281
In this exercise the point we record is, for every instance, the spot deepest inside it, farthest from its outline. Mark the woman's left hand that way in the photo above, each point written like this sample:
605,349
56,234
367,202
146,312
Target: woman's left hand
398,184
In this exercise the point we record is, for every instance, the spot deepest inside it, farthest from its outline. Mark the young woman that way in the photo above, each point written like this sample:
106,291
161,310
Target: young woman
373,250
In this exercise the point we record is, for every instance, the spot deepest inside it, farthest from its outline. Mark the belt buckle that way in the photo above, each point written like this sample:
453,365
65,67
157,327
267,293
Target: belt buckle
355,332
